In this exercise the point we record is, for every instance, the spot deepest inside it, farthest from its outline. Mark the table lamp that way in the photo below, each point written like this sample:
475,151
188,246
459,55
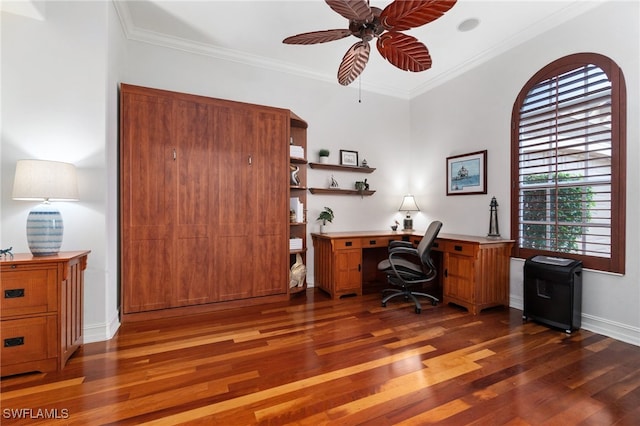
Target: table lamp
45,181
408,205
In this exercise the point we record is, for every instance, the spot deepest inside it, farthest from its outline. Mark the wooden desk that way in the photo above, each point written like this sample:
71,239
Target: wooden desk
475,270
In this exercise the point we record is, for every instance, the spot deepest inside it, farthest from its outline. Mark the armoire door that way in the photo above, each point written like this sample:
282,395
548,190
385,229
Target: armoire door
270,177
147,202
252,236
167,171
195,178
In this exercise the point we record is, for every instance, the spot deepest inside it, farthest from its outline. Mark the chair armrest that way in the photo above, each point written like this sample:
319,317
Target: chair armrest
399,243
403,250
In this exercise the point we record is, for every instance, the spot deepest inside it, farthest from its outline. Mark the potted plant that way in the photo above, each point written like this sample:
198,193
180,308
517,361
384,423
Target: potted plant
324,156
325,216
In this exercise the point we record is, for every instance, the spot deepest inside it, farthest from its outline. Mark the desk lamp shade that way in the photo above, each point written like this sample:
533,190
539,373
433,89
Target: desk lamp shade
45,181
408,205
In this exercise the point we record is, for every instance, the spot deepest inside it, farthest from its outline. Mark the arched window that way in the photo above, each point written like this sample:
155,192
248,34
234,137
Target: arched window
568,156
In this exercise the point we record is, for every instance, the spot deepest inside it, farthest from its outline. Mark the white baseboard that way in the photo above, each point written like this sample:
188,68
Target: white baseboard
101,332
603,326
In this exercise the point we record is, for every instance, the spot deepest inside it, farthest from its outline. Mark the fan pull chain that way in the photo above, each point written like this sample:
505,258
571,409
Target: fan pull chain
360,89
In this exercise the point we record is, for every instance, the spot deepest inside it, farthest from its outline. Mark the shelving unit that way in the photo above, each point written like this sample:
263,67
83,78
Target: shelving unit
342,168
298,134
338,191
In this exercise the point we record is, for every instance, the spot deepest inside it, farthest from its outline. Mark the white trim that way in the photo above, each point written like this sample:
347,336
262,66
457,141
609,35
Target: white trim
101,332
613,329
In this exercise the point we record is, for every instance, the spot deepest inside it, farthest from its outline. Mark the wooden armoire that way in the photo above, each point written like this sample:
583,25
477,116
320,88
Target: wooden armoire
204,203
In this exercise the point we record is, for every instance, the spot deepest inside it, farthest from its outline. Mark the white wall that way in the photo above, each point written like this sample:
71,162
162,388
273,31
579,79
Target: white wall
56,106
59,82
473,112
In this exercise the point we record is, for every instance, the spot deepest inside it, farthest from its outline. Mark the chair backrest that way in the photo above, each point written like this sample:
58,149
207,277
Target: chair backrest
424,248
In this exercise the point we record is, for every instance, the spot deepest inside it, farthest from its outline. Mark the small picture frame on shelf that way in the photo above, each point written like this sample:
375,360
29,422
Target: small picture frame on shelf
348,158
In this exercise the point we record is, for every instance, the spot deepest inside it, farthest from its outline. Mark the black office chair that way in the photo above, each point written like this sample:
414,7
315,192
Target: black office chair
408,266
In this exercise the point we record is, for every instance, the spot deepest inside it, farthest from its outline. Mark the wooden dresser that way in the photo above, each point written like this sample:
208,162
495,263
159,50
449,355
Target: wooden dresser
41,311
474,271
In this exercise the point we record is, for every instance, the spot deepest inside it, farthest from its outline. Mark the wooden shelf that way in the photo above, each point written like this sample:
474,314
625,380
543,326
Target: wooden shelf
329,191
342,168
297,187
297,160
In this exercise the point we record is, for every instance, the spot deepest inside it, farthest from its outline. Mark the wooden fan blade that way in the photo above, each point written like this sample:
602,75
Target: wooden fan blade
317,37
404,51
353,63
353,10
402,15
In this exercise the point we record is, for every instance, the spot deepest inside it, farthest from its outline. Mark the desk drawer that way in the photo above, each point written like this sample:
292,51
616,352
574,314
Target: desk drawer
377,241
346,243
458,247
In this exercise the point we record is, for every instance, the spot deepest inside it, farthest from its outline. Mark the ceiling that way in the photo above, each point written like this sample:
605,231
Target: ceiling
251,32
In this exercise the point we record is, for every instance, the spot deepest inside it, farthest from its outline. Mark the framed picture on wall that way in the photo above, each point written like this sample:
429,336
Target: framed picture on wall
467,174
348,158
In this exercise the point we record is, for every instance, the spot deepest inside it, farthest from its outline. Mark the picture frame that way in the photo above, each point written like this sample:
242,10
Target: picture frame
467,173
349,158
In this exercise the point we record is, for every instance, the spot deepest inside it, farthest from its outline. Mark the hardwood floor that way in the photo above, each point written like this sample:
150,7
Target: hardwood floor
314,361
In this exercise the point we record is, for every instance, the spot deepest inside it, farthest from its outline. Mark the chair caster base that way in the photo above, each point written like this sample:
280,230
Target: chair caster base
418,310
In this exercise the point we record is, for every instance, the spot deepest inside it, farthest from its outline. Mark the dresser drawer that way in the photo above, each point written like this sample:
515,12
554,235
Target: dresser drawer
26,292
345,243
458,247
28,339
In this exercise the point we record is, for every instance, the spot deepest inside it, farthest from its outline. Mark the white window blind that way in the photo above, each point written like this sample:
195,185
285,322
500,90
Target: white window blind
565,164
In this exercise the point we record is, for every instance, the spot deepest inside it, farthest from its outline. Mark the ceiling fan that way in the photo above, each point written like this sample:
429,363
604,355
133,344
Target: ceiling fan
367,22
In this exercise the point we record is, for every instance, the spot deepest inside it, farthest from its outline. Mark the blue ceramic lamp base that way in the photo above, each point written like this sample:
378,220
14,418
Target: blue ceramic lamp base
44,230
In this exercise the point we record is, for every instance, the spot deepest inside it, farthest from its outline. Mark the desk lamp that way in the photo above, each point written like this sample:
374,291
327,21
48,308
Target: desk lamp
408,205
45,181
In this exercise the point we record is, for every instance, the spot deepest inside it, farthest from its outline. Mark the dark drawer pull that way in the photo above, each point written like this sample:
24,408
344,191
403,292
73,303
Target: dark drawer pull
457,248
14,293
435,245
348,244
372,242
13,341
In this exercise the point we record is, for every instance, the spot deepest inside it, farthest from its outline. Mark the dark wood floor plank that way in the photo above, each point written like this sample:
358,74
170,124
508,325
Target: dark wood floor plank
313,360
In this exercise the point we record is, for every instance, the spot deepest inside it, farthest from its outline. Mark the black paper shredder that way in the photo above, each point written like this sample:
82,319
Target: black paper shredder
553,292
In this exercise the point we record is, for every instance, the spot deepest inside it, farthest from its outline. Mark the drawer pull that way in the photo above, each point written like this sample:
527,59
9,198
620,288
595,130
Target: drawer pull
435,245
457,248
14,293
348,244
372,242
13,341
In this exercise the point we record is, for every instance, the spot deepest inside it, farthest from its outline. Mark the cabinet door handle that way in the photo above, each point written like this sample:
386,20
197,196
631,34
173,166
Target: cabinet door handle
446,273
14,293
359,267
250,160
175,154
13,341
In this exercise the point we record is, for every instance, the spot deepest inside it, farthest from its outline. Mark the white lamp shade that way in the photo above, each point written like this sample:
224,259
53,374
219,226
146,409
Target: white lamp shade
409,204
45,180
